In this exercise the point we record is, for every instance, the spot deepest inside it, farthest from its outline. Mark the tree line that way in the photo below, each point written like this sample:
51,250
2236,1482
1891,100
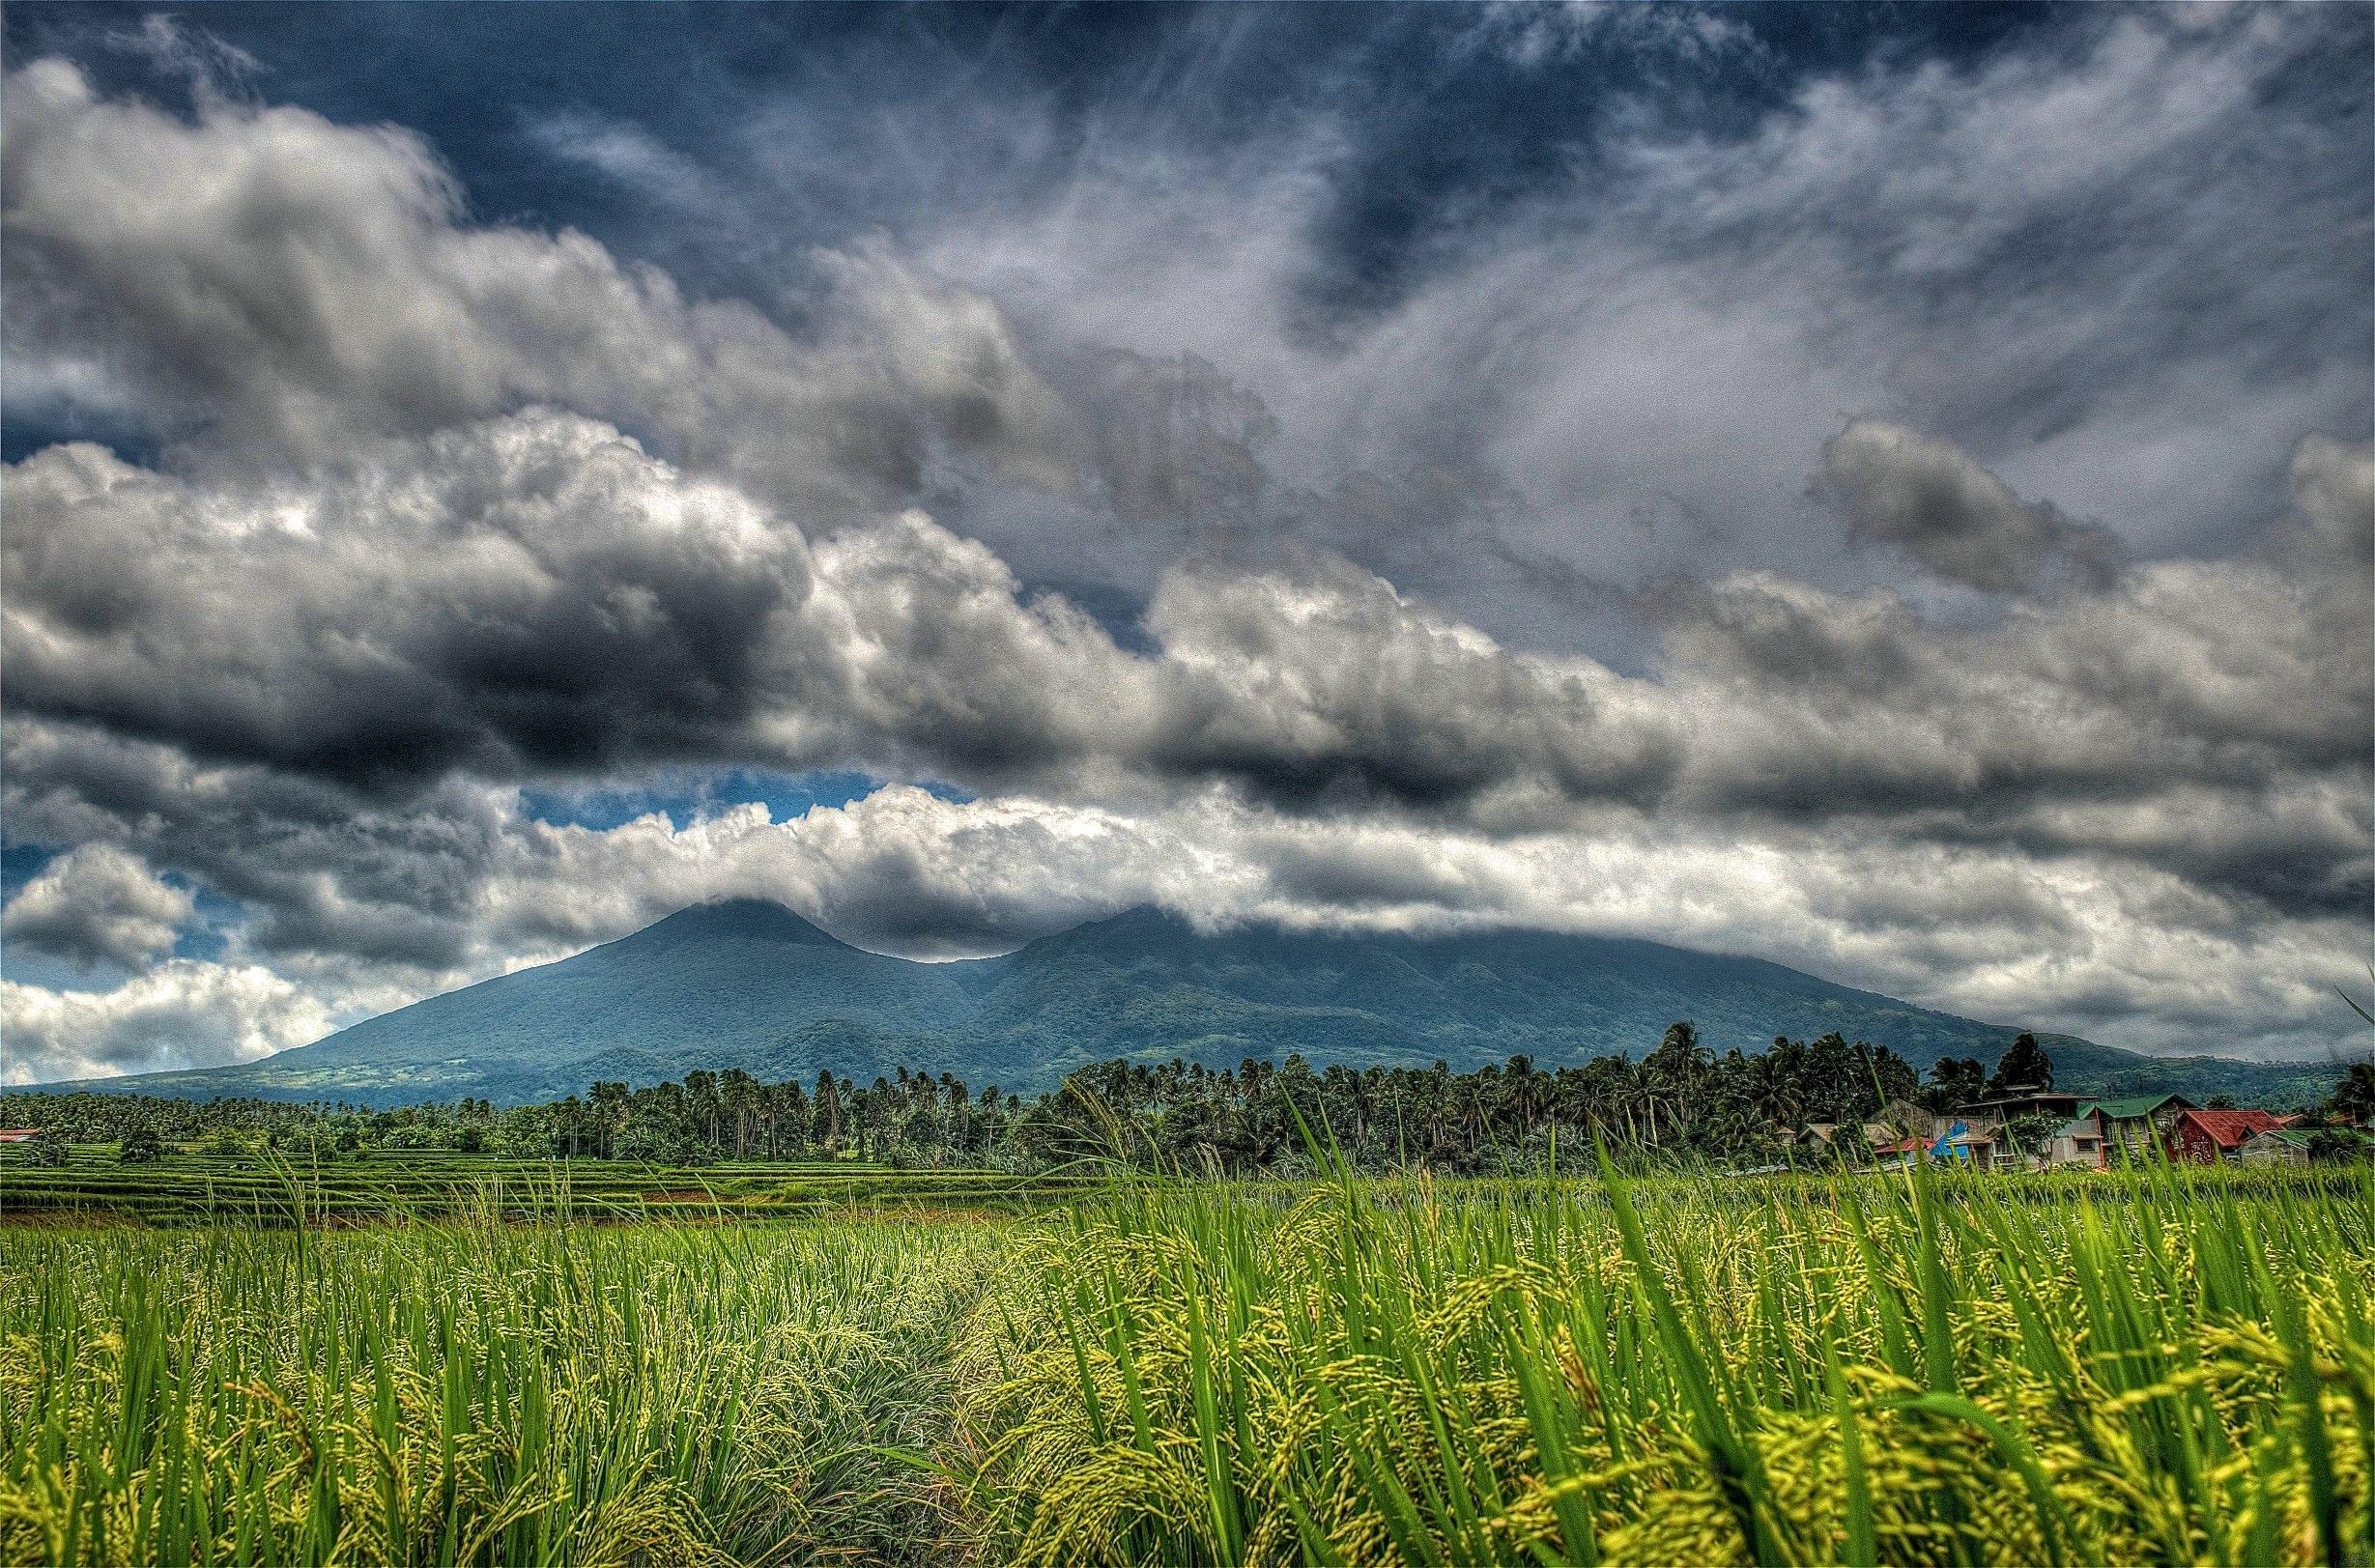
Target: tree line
1682,1100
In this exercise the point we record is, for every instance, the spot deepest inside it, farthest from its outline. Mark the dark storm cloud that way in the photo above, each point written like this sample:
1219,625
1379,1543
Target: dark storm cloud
1614,323
518,592
1927,498
262,631
1624,365
320,869
260,276
96,904
1171,438
2244,681
1325,687
532,595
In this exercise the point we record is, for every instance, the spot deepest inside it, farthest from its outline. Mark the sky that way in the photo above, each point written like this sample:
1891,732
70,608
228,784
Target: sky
1884,489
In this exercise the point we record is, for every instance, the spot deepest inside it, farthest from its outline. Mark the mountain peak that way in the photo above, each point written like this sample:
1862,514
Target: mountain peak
1142,917
1138,924
758,920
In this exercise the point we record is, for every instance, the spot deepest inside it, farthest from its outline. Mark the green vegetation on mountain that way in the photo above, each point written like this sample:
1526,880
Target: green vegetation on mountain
749,985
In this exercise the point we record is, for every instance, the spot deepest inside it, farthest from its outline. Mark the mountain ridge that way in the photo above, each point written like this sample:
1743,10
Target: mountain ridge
750,983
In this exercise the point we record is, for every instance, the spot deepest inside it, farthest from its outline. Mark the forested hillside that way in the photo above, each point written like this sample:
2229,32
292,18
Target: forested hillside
749,986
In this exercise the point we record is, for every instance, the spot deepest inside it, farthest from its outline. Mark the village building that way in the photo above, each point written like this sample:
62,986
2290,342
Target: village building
2297,1145
1892,1124
2205,1137
2138,1125
19,1134
2278,1146
2016,1102
1901,1119
1982,1146
1981,1125
1899,1152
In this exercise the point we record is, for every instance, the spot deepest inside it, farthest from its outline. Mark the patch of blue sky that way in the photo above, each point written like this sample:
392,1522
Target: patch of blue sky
49,421
683,800
21,862
212,916
23,966
1120,611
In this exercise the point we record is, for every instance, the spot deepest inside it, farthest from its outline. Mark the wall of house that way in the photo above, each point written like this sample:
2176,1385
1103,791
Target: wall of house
2075,1151
2134,1134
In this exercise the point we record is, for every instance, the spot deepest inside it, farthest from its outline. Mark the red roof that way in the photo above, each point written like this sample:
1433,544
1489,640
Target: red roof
2229,1128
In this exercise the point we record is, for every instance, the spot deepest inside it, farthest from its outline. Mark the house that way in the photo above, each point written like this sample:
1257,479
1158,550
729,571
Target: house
19,1134
2207,1137
2079,1140
1895,1130
1993,1116
1899,1152
2139,1125
2278,1146
1901,1118
2016,1102
1979,1147
2298,1145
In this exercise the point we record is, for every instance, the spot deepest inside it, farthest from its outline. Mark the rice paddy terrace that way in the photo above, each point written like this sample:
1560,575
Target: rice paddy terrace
450,1364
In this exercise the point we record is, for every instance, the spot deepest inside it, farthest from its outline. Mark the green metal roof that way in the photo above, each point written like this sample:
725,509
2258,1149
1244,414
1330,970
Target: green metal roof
2299,1137
2128,1109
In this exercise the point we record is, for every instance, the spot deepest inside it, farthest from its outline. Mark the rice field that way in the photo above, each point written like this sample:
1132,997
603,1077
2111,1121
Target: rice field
196,1187
2167,1366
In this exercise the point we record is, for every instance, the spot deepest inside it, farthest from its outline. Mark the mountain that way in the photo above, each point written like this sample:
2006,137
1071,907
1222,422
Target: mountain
749,983
730,982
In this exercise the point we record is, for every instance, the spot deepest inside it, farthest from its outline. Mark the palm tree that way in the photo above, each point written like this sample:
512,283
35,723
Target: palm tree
610,1109
1673,1072
829,1108
739,1092
1773,1090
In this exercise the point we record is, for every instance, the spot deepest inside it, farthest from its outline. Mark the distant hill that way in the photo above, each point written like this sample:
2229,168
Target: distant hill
749,983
